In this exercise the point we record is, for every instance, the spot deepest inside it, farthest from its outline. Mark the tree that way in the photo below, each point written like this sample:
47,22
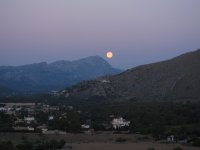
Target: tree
6,146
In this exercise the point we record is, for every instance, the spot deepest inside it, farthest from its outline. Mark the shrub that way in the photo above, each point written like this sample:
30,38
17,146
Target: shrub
151,148
120,140
25,146
178,148
196,142
6,146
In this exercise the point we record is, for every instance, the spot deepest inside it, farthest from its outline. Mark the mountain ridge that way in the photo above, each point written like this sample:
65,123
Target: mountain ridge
173,79
44,77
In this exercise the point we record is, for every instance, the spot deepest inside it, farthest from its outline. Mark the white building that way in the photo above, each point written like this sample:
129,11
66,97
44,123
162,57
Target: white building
105,81
85,126
2,109
31,129
29,119
170,138
44,130
119,123
51,117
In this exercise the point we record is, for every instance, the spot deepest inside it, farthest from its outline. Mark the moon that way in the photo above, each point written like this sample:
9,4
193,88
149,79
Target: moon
109,54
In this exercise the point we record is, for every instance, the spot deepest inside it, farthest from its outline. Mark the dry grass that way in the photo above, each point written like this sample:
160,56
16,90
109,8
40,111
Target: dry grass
102,141
72,138
127,146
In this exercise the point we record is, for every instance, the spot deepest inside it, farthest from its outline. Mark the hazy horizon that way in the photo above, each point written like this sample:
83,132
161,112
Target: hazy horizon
106,59
136,31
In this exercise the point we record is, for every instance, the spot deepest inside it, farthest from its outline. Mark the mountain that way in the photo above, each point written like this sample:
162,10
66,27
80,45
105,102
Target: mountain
43,77
174,79
4,91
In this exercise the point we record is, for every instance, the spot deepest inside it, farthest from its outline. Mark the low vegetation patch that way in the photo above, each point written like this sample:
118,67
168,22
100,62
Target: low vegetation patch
120,140
151,148
178,148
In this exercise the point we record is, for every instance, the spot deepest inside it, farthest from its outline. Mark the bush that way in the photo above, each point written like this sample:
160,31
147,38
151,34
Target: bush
196,142
55,144
120,140
40,147
25,146
178,148
62,143
150,148
69,147
6,146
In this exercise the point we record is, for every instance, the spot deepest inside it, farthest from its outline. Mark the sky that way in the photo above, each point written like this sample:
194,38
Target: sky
136,31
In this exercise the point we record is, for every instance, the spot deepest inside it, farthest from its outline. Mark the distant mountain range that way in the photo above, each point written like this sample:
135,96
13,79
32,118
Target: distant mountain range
43,77
175,79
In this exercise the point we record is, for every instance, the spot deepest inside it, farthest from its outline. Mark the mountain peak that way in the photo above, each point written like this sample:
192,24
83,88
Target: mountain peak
92,58
42,77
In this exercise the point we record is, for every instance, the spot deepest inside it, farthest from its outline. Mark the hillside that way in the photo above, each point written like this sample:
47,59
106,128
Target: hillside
174,79
43,77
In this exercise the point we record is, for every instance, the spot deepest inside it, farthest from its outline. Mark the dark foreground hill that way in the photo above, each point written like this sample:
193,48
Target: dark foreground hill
43,77
174,79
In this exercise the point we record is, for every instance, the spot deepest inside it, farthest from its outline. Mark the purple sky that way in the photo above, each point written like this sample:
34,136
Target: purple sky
137,31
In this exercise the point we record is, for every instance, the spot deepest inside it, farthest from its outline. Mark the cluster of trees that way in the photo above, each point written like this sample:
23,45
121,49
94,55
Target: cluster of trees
157,118
6,122
38,145
70,122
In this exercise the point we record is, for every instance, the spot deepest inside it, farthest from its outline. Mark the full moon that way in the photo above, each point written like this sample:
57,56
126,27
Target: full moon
109,55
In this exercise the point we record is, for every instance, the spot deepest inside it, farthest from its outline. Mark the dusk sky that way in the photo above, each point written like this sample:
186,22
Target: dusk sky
136,31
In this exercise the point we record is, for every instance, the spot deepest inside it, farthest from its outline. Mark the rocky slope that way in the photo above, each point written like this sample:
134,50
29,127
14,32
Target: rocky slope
174,79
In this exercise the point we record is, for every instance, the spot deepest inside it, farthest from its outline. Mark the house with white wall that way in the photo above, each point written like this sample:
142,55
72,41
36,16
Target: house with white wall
118,123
